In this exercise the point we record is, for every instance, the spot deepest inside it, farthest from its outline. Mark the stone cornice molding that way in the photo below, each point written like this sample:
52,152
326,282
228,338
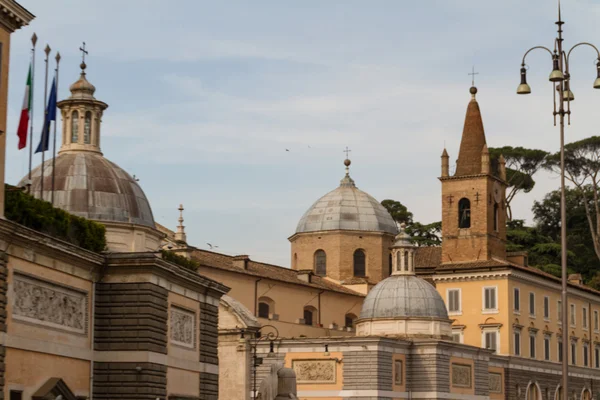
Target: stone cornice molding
138,263
492,325
341,232
14,16
471,276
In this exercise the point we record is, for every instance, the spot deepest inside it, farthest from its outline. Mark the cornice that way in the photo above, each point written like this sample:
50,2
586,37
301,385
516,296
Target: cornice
471,276
340,232
14,15
470,177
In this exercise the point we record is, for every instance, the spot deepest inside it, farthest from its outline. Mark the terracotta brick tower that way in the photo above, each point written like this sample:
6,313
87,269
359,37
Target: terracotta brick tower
473,199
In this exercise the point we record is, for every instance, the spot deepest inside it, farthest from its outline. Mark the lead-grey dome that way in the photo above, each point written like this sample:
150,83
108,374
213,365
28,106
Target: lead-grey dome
403,296
347,208
90,186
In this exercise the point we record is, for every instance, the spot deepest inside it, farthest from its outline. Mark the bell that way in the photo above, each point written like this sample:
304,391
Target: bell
523,87
568,95
556,75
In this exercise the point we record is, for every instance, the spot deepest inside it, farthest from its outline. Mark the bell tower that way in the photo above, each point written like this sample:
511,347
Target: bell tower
473,199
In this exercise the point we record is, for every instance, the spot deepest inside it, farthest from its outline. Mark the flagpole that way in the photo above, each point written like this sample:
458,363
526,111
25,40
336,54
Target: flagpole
47,51
55,122
33,41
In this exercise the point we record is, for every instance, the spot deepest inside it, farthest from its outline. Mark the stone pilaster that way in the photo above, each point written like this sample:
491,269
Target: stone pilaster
135,381
368,370
3,289
209,341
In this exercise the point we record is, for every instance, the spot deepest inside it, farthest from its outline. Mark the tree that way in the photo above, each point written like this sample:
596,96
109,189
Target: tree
582,169
581,256
422,234
398,211
521,165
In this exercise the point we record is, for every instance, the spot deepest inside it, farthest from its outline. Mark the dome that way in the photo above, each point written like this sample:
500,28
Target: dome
403,296
347,208
90,186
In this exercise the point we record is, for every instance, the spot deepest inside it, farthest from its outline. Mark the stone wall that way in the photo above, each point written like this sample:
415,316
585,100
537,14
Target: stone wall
129,381
370,370
428,372
131,316
209,353
3,287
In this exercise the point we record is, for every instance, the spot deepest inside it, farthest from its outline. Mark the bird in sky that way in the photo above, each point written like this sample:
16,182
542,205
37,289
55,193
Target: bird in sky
211,246
287,149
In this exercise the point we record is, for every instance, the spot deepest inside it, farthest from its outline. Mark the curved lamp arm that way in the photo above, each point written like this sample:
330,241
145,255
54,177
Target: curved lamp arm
534,48
582,44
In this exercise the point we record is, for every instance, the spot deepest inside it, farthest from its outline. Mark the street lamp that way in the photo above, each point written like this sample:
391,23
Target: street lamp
560,78
254,342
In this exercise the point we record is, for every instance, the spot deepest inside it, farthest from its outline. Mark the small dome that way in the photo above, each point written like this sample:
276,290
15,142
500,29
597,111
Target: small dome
347,208
82,88
90,186
403,296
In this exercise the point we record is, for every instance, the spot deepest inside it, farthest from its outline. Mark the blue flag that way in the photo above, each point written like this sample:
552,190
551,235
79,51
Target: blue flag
48,118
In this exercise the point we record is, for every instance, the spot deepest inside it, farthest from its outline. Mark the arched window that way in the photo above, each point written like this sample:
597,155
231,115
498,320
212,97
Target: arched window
263,310
586,395
349,320
320,262
496,209
464,213
398,261
295,261
558,395
390,264
309,314
406,260
533,392
359,263
87,127
74,126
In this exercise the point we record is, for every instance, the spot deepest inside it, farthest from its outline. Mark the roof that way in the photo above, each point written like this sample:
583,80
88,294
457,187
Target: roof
90,186
472,142
403,296
347,208
430,257
209,259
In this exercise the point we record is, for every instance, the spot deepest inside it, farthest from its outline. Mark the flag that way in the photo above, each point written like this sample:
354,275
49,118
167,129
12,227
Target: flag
24,121
48,118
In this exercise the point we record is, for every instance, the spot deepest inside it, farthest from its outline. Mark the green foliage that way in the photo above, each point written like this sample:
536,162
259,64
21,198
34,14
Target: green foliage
425,235
39,215
182,261
398,211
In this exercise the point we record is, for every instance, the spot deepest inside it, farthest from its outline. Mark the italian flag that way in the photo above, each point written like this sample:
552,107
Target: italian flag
24,121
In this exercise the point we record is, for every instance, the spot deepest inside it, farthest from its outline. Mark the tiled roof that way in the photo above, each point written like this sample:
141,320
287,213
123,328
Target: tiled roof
430,257
209,259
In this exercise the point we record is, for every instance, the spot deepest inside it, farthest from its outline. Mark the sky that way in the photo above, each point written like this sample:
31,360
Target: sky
205,97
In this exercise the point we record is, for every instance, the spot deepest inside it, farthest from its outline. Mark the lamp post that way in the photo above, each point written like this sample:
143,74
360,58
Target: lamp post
560,78
254,342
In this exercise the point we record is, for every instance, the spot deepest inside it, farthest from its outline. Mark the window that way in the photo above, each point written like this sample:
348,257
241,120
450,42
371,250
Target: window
596,321
559,311
390,264
308,316
586,395
74,126
495,217
546,307
532,392
559,394
586,354
532,345
87,127
547,348
464,213
517,299
489,299
359,263
573,353
560,351
454,301
531,303
573,319
596,357
491,339
263,310
16,395
584,315
320,262
517,338
456,337
349,320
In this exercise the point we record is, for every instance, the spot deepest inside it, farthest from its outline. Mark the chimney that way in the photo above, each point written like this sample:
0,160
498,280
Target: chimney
485,160
241,261
305,275
445,164
575,279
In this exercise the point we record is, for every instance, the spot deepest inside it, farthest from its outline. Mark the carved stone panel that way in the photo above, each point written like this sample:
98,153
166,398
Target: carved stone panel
49,304
461,375
398,372
315,371
495,382
183,327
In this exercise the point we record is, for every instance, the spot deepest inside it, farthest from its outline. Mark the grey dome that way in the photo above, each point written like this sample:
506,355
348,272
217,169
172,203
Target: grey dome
403,296
347,208
90,186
